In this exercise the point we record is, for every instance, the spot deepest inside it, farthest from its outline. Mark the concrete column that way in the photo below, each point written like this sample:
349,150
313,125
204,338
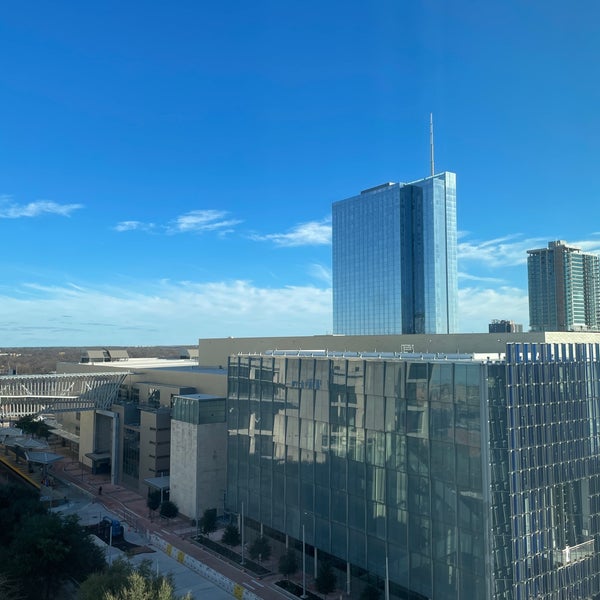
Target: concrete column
115,471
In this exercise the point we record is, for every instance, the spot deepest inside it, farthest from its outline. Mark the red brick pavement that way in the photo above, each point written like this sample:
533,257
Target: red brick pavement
133,509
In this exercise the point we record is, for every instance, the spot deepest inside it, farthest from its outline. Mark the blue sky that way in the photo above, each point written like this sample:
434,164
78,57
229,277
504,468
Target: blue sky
167,169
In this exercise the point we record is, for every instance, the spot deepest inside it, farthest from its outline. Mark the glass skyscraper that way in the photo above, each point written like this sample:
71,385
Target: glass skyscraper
447,477
564,289
394,259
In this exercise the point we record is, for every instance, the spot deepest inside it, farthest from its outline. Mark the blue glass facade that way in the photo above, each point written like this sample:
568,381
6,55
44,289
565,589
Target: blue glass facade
474,479
375,458
553,412
395,259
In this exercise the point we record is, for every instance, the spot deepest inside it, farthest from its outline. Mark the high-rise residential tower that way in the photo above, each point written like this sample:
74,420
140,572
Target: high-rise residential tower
394,259
564,289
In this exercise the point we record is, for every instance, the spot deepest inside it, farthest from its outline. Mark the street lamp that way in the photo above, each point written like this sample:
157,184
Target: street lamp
242,528
110,543
303,564
387,576
197,516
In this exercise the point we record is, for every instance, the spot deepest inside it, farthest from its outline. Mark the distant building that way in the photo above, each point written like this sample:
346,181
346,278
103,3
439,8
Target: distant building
394,259
166,429
503,326
104,355
564,289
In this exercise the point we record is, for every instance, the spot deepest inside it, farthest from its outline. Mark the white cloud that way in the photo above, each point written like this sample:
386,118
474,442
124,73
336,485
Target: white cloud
198,221
11,210
587,245
469,277
507,251
168,312
195,221
477,307
165,313
133,226
510,250
312,233
320,272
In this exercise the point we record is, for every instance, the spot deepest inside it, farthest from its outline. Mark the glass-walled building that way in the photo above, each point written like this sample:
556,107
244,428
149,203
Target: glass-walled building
564,288
446,477
395,259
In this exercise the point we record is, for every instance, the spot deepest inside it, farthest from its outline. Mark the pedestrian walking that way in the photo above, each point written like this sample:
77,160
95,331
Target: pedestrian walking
100,491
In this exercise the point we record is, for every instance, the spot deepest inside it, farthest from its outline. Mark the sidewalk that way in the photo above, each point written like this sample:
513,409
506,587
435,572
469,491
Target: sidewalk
131,509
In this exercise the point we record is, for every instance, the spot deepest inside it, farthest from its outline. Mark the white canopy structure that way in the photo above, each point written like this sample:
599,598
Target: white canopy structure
22,395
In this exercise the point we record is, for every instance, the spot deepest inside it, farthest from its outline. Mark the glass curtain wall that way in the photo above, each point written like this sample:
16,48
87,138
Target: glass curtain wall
379,460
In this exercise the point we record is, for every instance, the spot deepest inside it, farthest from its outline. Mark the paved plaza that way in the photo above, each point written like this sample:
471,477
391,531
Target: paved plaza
81,488
92,497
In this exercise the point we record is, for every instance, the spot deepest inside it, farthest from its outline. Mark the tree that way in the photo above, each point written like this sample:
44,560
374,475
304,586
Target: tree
9,590
111,580
34,427
17,504
138,587
26,424
260,548
208,522
369,593
48,551
169,509
116,581
326,579
288,563
231,535
153,500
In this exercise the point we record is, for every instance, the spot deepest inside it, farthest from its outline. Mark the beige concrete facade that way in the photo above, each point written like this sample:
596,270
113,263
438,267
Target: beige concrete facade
215,351
198,467
179,374
143,412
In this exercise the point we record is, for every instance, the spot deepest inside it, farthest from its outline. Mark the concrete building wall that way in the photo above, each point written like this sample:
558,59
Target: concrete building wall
155,444
145,385
212,472
215,351
198,467
184,467
87,422
162,373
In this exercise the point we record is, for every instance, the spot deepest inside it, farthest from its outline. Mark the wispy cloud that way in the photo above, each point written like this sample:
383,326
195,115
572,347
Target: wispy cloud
511,250
134,226
312,233
468,277
169,312
321,273
198,221
195,221
507,251
165,313
587,245
11,210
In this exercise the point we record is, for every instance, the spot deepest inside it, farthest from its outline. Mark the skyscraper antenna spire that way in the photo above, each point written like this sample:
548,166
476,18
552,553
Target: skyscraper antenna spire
431,143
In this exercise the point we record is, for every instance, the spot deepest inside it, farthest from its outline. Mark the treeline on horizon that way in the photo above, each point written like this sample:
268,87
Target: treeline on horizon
42,360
